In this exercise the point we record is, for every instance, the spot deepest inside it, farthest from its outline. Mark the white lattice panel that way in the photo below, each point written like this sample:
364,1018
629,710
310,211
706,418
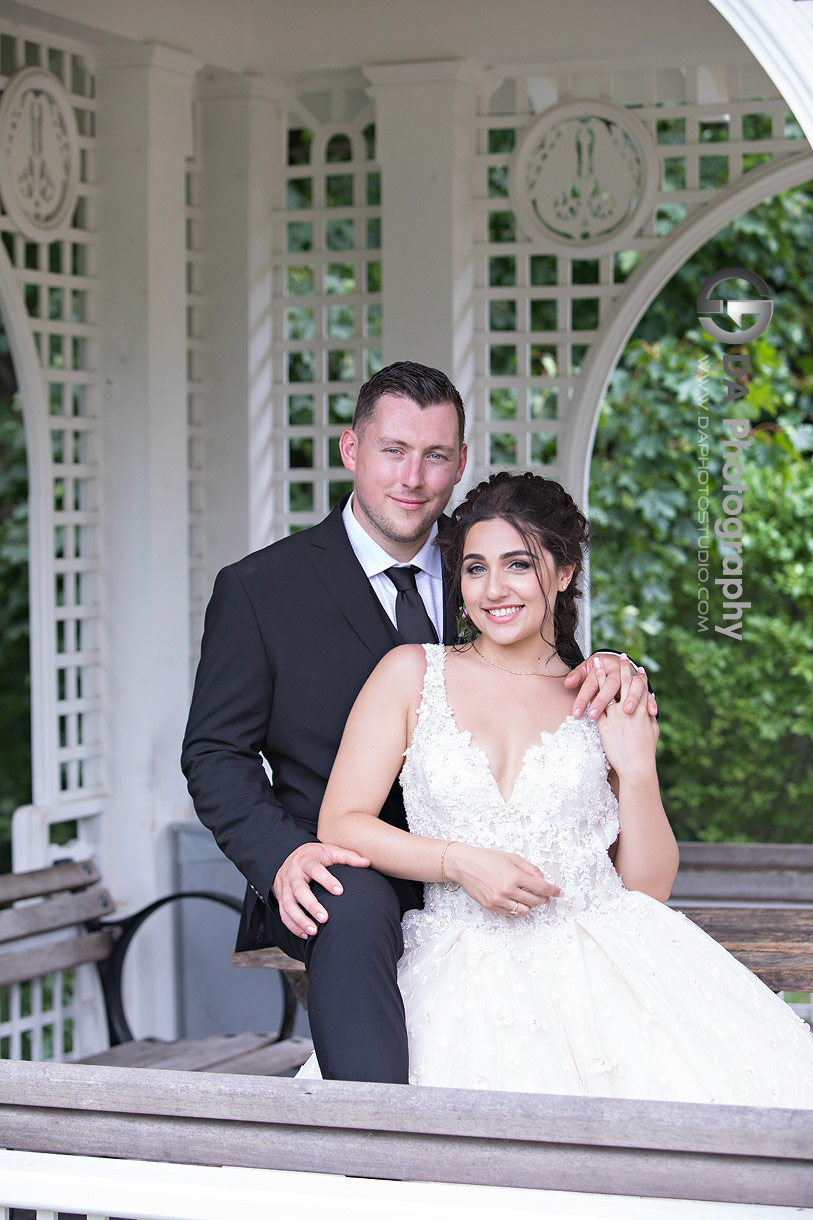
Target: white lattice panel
56,1017
328,323
538,312
57,280
46,1018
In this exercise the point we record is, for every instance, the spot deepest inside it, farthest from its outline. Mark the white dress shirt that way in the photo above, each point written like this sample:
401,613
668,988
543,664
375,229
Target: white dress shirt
375,561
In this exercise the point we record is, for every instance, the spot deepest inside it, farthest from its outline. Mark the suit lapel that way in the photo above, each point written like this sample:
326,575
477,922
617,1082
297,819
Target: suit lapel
343,577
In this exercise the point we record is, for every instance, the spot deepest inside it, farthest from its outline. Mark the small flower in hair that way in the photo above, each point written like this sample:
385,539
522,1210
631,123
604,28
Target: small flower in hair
465,629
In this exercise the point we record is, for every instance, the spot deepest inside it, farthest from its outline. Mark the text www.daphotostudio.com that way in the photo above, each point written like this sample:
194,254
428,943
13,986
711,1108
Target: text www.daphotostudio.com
735,368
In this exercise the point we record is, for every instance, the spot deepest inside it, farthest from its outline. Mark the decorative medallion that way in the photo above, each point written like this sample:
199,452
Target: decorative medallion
39,154
584,177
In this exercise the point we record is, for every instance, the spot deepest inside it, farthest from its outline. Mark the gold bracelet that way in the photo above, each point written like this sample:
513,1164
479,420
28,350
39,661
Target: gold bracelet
452,889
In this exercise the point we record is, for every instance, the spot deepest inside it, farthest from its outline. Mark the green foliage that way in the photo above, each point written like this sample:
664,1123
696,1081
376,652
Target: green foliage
735,751
15,743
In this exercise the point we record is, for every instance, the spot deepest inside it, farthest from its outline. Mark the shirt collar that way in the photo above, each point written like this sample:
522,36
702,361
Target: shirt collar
374,559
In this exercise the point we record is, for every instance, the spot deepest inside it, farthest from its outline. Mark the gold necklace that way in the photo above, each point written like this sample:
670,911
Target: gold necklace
518,673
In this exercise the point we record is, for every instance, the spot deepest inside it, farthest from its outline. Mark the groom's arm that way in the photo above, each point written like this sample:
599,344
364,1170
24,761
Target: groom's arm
606,664
225,735
228,728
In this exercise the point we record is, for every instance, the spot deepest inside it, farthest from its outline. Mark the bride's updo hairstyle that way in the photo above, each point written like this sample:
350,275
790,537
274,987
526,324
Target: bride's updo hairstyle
544,516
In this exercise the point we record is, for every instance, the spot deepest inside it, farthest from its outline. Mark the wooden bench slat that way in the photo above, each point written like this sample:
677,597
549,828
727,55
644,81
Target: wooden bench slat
743,887
236,1054
755,924
196,1054
187,1054
777,945
62,911
60,955
275,959
757,856
784,949
268,959
778,971
69,875
269,1060
142,1053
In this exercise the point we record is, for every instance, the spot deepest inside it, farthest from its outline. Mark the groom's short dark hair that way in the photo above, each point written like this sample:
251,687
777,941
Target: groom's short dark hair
405,379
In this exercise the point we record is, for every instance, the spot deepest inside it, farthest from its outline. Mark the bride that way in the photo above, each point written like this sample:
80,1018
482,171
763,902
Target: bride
544,959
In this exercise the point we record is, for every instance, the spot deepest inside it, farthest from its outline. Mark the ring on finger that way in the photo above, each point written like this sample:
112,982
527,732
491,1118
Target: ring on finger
515,910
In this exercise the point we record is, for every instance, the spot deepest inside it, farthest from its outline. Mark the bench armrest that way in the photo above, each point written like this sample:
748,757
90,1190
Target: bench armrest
111,971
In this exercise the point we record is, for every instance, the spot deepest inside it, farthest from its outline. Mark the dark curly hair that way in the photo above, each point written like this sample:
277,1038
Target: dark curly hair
544,516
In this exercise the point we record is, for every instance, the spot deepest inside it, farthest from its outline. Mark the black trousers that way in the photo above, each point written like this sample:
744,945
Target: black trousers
354,1006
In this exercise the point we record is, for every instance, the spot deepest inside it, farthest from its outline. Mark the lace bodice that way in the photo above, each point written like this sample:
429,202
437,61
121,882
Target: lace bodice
562,814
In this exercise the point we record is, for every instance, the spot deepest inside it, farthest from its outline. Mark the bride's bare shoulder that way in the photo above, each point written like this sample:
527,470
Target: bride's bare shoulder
396,682
405,666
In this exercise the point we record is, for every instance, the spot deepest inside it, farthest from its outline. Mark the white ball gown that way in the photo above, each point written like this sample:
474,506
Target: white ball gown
600,992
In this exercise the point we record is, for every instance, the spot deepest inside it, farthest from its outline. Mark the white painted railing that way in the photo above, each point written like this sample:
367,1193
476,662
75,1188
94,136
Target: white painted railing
98,1189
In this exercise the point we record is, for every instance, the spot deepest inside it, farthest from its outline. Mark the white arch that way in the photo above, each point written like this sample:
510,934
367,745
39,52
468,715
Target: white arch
642,288
28,373
780,37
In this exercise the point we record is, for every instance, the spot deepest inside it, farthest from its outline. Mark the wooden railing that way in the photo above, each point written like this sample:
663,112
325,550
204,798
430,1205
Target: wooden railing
660,1149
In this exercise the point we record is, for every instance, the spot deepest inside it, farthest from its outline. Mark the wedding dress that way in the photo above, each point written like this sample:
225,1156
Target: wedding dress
602,991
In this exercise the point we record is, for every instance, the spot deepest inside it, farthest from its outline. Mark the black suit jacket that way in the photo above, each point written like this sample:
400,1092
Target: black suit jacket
292,633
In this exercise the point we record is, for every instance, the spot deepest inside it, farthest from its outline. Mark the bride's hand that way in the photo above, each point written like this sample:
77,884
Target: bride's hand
500,881
629,740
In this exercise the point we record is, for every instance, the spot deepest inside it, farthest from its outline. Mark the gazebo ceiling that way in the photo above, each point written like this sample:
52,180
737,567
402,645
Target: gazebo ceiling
306,36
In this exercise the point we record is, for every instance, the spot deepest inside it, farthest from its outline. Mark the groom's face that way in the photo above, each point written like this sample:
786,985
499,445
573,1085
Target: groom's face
406,459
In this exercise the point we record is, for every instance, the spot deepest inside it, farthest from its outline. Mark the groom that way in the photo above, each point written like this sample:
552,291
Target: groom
292,632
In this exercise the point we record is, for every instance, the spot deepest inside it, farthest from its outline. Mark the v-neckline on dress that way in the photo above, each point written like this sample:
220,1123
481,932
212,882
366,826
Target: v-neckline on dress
466,737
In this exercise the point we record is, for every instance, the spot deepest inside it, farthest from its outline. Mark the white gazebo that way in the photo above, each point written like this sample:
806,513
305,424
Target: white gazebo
219,216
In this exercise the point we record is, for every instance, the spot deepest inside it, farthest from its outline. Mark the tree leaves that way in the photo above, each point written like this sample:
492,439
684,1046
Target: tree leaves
735,751
15,744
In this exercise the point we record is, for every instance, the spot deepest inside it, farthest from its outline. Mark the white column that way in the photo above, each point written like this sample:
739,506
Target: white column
145,134
242,150
425,144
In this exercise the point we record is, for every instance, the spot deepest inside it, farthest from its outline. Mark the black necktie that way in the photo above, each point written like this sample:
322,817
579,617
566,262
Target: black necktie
414,624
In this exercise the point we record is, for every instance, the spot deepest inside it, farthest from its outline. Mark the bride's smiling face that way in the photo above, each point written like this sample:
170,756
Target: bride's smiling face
500,586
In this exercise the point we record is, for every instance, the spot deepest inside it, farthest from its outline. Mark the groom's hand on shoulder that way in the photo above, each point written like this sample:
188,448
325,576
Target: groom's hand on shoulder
299,908
599,682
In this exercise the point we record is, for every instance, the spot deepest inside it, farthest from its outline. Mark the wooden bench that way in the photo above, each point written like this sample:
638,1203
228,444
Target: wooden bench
755,899
58,918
